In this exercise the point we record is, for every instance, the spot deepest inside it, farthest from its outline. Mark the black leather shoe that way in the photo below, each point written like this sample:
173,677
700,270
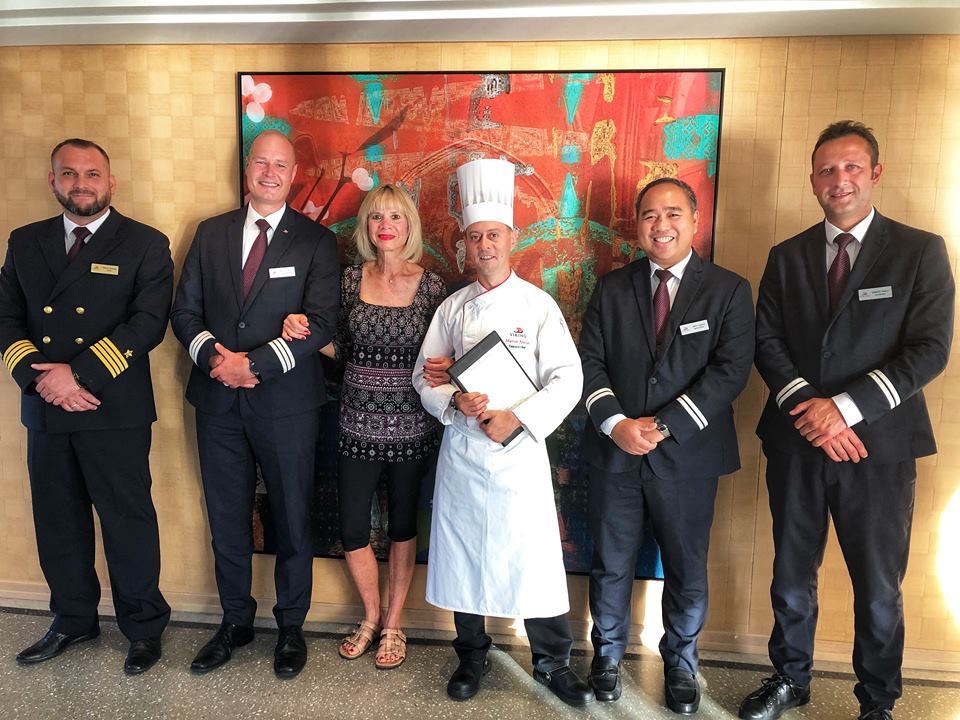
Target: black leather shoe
465,681
51,645
564,683
605,678
219,648
875,713
142,656
777,694
290,655
681,691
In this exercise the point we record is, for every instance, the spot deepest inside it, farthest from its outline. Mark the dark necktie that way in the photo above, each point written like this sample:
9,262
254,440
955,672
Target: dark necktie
839,270
661,303
80,234
255,257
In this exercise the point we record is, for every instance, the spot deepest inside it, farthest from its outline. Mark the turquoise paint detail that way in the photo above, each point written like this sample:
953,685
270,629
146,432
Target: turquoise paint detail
428,249
693,138
376,179
374,94
570,154
581,77
569,202
344,229
373,154
572,93
547,231
249,129
366,77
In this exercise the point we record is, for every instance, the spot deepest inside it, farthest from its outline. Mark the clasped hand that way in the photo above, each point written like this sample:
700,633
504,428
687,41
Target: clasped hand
57,386
636,436
822,425
232,368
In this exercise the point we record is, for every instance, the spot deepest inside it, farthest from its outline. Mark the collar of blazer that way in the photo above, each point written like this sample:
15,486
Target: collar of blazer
283,235
99,244
689,285
874,244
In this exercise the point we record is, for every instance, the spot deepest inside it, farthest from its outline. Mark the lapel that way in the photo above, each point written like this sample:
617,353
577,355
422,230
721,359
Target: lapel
874,243
235,252
282,237
641,288
689,287
52,246
100,244
815,260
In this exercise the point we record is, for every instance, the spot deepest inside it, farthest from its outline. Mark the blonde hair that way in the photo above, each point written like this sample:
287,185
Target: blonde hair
375,201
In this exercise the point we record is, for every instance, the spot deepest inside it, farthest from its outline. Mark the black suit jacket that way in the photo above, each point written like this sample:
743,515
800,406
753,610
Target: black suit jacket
209,307
691,384
102,314
882,351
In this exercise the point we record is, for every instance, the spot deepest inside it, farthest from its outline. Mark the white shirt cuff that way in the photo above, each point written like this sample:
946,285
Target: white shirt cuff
848,408
610,423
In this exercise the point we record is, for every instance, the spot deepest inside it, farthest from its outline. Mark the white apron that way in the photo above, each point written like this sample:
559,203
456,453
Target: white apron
495,539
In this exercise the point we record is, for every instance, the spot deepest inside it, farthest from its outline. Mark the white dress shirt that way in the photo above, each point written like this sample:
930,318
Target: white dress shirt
251,230
69,226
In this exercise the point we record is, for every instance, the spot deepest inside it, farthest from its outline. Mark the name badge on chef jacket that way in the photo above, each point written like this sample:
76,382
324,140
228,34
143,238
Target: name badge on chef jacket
877,293
694,327
101,269
283,272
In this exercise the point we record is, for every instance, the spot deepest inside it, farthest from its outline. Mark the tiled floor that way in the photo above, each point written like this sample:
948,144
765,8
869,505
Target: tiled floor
87,682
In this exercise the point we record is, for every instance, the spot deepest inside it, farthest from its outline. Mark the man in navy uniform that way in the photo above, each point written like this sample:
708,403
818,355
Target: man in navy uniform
84,296
667,346
256,394
854,317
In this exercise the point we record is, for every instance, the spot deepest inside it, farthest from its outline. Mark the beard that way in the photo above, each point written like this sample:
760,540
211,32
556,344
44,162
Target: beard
99,203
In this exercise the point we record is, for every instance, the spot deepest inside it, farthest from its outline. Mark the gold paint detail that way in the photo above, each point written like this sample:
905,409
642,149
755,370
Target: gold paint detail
601,142
609,85
655,171
102,269
47,310
110,356
16,352
664,119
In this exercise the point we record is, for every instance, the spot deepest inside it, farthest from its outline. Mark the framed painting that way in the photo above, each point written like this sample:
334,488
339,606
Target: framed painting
583,143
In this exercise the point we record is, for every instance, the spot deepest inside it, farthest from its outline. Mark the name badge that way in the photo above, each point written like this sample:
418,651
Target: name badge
694,327
877,293
101,269
283,272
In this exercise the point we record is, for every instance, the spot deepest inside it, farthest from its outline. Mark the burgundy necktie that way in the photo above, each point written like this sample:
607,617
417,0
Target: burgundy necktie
255,257
661,303
839,270
80,234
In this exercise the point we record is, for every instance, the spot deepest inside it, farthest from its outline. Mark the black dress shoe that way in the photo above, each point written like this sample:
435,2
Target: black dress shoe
465,681
605,678
142,656
290,655
564,683
51,645
875,713
219,648
777,694
681,691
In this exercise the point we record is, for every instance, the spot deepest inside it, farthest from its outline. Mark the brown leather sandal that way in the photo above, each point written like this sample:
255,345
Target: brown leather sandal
393,644
359,641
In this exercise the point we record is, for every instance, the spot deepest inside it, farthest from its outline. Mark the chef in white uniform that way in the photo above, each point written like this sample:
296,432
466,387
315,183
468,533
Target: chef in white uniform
495,540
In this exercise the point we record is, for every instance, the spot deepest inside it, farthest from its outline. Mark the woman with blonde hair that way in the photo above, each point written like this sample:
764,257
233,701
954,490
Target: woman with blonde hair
386,303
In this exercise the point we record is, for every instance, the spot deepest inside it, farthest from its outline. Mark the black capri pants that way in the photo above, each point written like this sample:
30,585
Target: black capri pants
357,482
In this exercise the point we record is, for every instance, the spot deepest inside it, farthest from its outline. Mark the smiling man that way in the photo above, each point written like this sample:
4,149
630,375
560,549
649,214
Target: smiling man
854,317
256,394
495,541
667,345
84,296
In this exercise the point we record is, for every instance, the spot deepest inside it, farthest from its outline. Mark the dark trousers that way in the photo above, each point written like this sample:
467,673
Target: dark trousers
550,639
70,475
872,511
230,447
680,513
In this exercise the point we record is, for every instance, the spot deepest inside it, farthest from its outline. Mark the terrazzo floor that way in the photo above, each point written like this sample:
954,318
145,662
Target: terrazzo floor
87,681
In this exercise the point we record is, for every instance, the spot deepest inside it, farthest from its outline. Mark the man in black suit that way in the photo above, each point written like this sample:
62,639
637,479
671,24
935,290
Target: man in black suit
84,296
257,395
667,345
854,317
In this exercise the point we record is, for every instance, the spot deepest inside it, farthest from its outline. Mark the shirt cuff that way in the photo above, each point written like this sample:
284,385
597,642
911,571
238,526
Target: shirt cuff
848,408
607,426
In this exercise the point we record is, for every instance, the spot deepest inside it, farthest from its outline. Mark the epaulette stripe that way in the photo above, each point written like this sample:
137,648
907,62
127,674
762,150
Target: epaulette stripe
108,363
113,350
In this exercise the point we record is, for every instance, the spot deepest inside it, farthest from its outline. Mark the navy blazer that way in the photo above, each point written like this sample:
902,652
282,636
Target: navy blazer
691,384
102,314
890,336
300,273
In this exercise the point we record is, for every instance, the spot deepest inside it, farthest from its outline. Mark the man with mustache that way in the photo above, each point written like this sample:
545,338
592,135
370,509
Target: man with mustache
84,296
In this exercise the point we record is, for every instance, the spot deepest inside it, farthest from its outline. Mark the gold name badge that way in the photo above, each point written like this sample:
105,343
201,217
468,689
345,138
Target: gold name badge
101,269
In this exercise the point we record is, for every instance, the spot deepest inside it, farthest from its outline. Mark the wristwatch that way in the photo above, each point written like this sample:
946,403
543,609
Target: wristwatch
453,399
661,426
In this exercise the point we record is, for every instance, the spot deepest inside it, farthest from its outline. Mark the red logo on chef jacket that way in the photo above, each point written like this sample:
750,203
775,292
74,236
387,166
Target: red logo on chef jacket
517,339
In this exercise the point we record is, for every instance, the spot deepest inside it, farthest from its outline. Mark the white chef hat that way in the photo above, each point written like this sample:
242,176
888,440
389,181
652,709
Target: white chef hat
486,191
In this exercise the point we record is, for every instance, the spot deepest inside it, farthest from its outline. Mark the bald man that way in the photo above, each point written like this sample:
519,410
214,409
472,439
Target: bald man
256,395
